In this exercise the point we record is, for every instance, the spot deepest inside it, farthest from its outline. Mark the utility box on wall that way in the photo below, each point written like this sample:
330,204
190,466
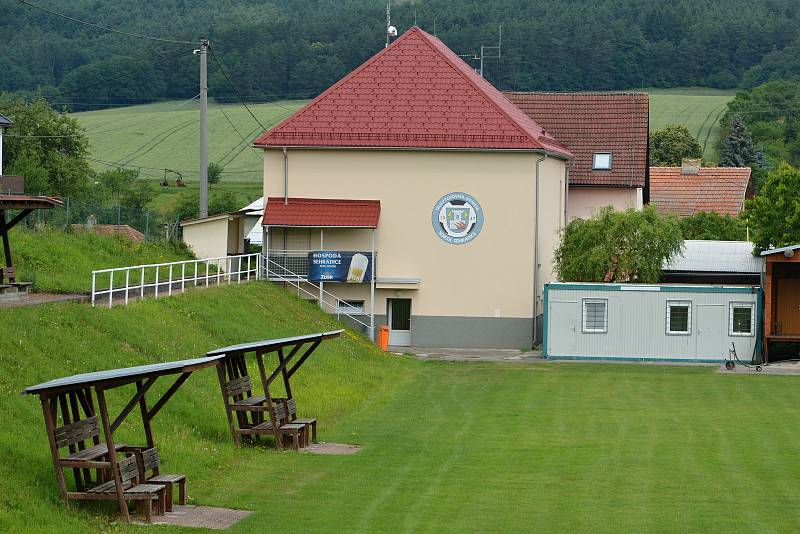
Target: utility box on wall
651,322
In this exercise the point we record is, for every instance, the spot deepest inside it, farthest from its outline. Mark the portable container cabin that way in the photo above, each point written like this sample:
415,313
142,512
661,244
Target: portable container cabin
651,322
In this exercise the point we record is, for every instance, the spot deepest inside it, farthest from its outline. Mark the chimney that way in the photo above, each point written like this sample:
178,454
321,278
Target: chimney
690,166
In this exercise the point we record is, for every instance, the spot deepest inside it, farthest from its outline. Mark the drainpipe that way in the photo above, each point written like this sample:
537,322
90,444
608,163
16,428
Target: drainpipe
570,163
536,249
285,175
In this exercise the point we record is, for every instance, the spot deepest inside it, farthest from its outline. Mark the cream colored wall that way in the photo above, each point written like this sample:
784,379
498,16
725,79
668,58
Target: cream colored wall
207,239
488,277
585,201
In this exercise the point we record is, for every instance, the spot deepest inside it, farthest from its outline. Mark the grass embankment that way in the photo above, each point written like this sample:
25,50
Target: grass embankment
62,262
44,342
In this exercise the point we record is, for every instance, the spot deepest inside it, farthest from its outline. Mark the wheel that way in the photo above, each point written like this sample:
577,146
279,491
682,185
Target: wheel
730,366
758,368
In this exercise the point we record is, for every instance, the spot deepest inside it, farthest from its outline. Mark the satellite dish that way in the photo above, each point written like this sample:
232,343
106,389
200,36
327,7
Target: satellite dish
788,253
391,30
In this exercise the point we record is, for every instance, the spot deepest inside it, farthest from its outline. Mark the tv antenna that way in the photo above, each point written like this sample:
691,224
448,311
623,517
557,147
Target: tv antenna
485,48
391,31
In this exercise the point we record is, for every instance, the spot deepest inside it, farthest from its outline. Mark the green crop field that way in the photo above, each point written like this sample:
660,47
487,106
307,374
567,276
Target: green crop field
699,109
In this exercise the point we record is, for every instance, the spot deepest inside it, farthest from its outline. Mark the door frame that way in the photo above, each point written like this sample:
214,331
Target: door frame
403,335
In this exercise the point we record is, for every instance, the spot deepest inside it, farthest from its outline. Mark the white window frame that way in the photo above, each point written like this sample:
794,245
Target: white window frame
349,307
584,328
595,167
747,305
677,303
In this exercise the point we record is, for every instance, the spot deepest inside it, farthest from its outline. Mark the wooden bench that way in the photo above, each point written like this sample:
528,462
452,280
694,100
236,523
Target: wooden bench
150,461
142,494
291,409
296,431
240,391
8,277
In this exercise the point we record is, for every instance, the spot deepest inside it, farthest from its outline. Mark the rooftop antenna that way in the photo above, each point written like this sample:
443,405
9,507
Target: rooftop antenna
498,48
391,31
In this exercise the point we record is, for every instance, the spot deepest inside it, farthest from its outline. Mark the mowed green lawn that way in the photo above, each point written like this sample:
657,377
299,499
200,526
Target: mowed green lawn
548,448
166,135
697,108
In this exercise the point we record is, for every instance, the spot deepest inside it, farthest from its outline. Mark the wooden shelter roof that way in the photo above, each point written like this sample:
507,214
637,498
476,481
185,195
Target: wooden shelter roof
270,345
22,202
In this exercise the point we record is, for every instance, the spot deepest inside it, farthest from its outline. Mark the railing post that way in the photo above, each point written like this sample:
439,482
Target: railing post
183,277
94,286
156,287
196,263
207,264
110,288
169,287
127,284
142,288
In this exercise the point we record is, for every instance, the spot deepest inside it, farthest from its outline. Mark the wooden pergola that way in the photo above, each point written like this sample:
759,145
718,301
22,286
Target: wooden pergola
236,383
26,204
71,401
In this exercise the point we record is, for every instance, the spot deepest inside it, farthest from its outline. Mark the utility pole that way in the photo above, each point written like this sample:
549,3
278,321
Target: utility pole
203,53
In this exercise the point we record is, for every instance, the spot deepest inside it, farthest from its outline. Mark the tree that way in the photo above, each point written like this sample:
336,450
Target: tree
46,140
668,147
738,149
214,172
774,213
618,246
188,207
712,225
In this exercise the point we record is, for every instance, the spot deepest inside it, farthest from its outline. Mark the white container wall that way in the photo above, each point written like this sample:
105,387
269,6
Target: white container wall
650,322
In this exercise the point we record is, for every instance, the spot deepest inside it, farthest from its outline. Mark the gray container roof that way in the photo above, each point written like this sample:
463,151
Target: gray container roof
5,122
707,256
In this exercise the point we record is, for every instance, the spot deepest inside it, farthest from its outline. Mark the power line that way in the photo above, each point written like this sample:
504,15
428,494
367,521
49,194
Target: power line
235,90
104,28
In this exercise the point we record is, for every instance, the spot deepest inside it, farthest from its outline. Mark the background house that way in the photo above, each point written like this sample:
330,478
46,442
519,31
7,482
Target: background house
608,133
689,189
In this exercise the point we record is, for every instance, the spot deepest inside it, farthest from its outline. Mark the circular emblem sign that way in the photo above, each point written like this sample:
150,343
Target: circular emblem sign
457,218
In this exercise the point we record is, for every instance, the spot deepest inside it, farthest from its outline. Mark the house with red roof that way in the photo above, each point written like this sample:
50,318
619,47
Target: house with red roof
608,134
691,189
413,194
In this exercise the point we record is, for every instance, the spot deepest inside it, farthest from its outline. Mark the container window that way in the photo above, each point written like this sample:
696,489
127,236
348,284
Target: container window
679,317
601,161
742,319
351,307
595,316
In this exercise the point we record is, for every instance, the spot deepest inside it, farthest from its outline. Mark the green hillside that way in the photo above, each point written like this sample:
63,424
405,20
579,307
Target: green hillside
699,109
153,137
44,342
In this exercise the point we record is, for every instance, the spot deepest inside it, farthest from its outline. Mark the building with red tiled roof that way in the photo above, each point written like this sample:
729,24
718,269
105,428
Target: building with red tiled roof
687,191
608,134
471,194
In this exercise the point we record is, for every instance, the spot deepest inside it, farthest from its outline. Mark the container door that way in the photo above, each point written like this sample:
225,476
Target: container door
400,322
712,332
563,323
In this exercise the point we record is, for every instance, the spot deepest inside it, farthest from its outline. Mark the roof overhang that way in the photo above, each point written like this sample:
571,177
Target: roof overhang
790,248
321,213
27,202
219,217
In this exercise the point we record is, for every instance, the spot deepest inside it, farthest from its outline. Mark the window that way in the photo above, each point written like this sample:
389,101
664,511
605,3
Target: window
595,316
742,319
601,161
351,307
679,317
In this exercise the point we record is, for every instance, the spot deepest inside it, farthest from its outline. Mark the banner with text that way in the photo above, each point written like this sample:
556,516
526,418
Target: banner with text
339,266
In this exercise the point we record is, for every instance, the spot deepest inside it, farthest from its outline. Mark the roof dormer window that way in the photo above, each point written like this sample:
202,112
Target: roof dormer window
601,161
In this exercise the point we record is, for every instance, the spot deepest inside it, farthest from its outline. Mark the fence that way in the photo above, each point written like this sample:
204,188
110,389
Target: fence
147,279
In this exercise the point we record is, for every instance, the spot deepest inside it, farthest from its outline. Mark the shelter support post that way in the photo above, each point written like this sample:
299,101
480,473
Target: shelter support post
286,385
112,454
228,411
141,389
304,357
50,425
168,394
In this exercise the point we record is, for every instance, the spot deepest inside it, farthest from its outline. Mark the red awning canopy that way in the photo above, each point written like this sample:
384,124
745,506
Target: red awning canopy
322,212
26,202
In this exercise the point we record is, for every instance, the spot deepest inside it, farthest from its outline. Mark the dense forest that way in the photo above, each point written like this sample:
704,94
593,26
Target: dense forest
294,49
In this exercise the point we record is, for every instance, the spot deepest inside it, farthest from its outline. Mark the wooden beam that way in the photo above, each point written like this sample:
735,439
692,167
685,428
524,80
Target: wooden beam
283,361
221,375
169,393
148,431
140,392
282,365
304,357
50,426
21,215
112,455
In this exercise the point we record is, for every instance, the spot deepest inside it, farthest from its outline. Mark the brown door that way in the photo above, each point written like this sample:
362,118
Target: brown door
788,308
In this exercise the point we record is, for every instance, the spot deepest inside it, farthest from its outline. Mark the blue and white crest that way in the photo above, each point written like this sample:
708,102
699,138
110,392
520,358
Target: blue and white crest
457,218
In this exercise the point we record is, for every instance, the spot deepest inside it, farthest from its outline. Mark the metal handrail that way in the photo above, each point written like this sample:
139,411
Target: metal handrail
295,281
201,274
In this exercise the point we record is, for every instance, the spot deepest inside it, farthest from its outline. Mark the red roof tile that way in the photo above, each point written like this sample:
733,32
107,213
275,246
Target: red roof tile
596,122
324,212
416,93
719,189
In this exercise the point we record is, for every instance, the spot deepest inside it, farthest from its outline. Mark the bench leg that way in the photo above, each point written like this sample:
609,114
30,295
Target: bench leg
182,492
314,431
145,507
168,497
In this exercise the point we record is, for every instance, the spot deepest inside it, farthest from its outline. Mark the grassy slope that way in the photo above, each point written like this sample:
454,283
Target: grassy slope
699,109
63,262
43,342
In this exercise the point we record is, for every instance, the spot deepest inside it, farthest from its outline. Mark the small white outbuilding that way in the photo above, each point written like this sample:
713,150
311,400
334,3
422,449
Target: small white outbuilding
691,323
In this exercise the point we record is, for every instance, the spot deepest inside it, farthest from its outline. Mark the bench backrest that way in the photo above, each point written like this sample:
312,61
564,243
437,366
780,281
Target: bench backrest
150,459
128,469
8,273
279,410
74,433
239,387
291,407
